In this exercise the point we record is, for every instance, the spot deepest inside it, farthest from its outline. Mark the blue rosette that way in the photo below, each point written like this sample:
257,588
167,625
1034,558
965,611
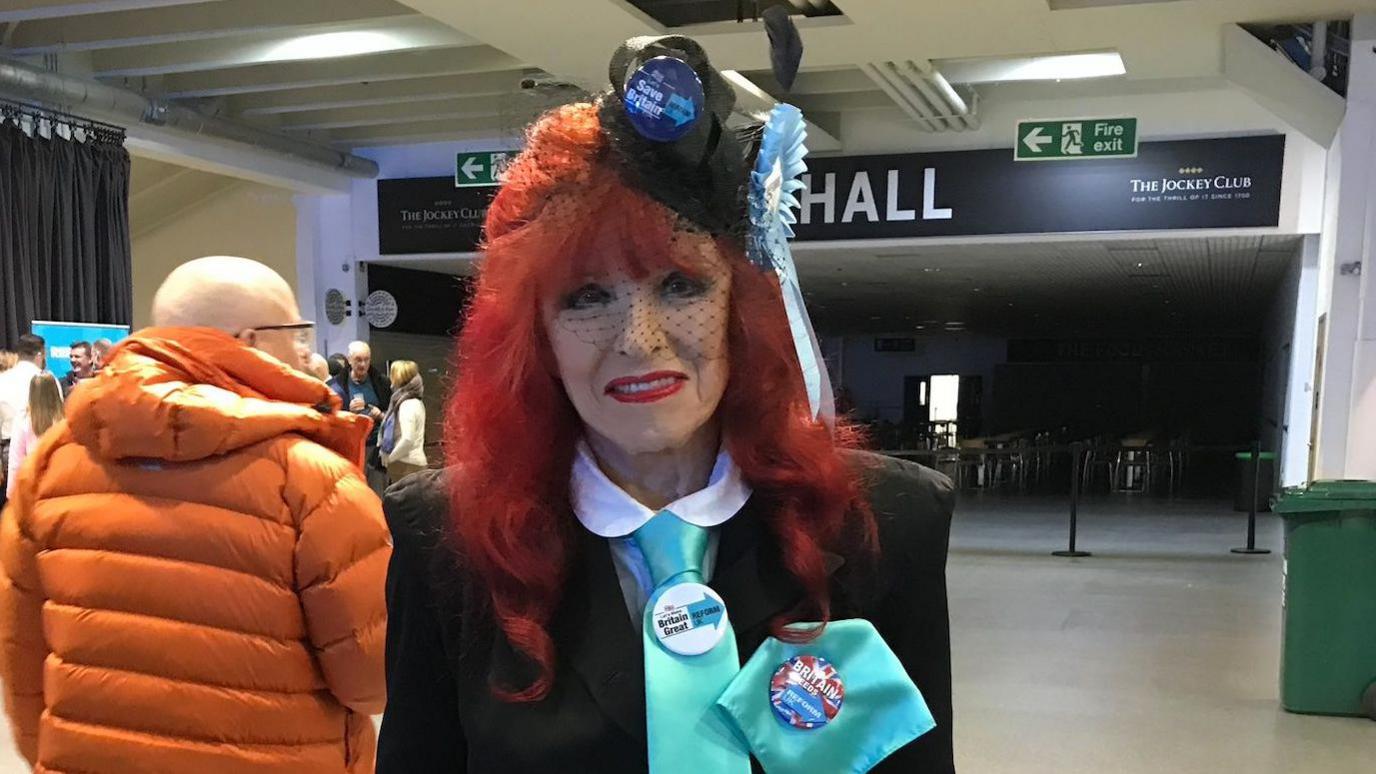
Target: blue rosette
773,204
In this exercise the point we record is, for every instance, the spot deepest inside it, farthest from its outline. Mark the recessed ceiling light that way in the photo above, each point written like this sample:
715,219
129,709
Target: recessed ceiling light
328,45
1069,66
1034,68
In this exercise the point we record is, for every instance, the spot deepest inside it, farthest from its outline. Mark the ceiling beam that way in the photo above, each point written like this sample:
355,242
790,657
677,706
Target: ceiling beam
416,131
298,75
149,26
840,102
26,10
753,101
454,108
829,81
1278,85
409,33
352,95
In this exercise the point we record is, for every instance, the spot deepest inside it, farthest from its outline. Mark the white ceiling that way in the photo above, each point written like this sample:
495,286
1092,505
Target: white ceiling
1223,285
1161,286
452,68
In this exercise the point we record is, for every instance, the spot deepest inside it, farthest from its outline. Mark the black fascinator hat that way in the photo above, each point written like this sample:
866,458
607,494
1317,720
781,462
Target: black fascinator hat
702,174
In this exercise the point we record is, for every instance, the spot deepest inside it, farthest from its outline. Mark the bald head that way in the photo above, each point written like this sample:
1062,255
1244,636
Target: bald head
319,367
240,297
224,292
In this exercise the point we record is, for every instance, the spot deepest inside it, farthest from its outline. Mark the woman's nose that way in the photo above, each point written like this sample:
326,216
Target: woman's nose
644,334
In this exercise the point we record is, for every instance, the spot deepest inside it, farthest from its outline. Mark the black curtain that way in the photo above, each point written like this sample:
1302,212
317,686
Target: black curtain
64,230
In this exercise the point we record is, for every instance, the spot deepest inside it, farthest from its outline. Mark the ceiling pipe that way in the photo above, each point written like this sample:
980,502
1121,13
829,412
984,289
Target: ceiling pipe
883,81
22,81
939,105
1318,51
948,92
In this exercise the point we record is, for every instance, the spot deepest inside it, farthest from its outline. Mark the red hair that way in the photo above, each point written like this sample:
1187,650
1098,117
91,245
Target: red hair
511,431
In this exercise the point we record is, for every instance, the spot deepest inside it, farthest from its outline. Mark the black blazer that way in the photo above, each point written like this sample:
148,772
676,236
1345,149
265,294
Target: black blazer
443,649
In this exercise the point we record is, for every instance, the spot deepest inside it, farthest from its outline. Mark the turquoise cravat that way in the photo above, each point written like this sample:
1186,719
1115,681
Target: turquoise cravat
685,732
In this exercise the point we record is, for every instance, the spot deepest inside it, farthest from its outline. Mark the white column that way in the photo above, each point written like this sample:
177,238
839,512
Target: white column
1347,401
1299,394
325,261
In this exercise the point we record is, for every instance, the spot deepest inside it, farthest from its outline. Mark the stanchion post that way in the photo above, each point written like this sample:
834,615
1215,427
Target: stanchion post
1255,467
1077,451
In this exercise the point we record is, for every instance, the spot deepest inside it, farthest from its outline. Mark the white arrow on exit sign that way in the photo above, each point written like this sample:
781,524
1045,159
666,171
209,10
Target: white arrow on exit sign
471,168
1035,140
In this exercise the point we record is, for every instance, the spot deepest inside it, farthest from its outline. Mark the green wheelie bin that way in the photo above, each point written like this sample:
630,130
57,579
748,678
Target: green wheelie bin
1328,657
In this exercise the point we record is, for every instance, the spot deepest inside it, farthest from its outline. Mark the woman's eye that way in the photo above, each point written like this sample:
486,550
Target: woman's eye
587,297
678,285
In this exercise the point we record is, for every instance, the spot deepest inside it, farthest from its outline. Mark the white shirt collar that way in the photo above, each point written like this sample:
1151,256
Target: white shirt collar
607,511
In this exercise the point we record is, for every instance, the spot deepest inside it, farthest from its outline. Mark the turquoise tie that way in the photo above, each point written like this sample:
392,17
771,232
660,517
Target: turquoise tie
685,732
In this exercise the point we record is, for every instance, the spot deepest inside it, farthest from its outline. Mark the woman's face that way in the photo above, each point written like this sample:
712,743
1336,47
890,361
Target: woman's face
644,361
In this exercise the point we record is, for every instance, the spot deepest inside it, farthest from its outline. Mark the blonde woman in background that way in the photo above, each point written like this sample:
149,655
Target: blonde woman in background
402,437
44,411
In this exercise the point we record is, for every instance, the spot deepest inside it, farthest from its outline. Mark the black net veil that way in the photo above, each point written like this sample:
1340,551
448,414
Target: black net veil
677,307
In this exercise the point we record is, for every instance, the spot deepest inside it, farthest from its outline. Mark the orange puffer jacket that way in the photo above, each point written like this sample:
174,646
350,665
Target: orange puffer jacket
193,572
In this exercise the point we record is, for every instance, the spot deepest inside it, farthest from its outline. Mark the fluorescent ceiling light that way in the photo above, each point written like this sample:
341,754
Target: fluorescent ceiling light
328,45
1034,68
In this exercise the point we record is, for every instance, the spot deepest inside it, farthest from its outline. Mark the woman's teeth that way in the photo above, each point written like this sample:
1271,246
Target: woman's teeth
631,389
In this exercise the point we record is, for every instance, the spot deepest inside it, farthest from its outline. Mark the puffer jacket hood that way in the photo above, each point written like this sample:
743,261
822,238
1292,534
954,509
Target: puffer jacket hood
186,394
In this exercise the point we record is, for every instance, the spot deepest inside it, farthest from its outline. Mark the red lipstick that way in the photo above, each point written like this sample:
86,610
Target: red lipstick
646,388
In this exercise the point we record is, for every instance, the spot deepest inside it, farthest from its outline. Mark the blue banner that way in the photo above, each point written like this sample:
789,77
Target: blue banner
60,336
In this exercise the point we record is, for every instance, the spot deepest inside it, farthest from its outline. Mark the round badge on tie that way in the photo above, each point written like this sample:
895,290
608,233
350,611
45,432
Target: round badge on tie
806,692
664,98
689,619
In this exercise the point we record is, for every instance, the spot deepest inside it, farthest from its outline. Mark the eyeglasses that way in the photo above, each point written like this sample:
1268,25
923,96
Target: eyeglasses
305,331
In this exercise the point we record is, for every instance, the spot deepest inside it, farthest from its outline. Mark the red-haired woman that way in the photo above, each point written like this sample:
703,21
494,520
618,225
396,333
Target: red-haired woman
624,368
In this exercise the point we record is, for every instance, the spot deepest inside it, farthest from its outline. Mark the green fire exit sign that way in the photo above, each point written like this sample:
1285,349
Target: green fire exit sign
1076,138
472,170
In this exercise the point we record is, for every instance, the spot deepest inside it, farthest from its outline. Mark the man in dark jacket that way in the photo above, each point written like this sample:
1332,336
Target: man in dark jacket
364,390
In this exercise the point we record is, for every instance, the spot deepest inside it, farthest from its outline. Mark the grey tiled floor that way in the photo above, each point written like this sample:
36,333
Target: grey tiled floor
1158,654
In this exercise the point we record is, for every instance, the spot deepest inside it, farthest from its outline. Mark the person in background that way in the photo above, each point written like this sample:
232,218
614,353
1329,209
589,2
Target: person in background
83,363
43,411
339,363
100,350
14,390
232,617
364,390
401,440
319,367
7,361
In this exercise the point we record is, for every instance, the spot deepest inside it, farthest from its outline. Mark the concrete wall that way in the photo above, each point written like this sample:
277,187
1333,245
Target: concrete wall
247,219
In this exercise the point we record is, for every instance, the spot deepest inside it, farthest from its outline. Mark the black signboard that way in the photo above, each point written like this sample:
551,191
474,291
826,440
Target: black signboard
429,215
426,302
1205,350
1217,183
1230,182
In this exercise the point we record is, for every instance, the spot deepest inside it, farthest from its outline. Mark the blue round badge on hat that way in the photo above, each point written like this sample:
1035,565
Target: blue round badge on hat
664,98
